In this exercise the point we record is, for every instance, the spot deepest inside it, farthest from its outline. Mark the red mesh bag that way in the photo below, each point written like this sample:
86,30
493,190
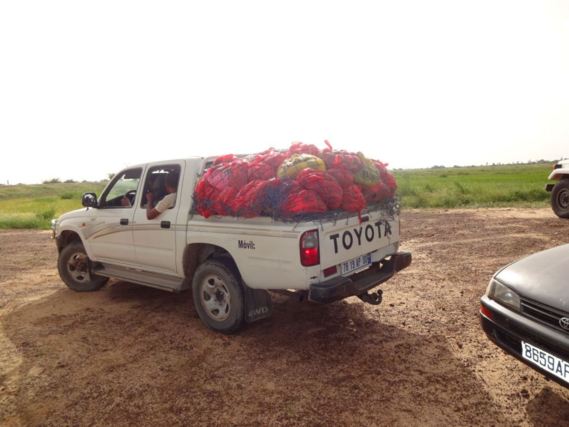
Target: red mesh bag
324,185
389,180
261,170
342,160
271,157
301,148
353,200
222,201
386,178
257,197
302,202
264,165
343,176
203,196
244,202
377,193
272,193
224,159
231,174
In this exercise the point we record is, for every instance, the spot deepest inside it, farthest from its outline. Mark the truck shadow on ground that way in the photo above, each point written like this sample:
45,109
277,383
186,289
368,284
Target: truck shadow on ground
135,355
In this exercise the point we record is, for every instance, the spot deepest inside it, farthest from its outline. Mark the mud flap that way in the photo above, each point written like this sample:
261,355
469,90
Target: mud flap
258,304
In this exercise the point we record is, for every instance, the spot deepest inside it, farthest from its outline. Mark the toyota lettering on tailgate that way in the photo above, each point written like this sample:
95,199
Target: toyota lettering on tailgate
355,236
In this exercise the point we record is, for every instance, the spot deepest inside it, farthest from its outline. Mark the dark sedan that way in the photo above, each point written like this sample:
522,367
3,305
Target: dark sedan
526,311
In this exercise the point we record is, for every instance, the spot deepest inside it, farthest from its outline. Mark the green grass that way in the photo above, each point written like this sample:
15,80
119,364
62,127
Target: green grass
34,206
477,186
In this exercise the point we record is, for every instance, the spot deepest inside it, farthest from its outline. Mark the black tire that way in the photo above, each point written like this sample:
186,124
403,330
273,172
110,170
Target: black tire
560,198
218,296
74,269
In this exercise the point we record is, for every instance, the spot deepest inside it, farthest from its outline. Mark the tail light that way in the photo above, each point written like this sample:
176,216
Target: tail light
309,248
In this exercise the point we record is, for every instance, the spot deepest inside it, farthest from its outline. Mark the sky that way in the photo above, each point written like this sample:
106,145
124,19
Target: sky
88,88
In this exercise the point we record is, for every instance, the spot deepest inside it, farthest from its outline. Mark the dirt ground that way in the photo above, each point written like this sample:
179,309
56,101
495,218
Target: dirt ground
130,355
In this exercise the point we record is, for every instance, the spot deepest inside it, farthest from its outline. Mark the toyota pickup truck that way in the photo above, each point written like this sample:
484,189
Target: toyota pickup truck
229,263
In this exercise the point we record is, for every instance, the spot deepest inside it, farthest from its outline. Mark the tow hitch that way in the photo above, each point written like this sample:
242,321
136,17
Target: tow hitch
373,298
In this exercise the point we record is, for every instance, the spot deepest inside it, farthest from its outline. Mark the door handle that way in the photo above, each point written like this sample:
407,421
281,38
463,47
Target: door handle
124,221
165,224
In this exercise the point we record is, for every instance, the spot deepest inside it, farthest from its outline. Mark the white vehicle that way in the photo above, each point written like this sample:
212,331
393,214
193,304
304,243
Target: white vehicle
560,191
229,263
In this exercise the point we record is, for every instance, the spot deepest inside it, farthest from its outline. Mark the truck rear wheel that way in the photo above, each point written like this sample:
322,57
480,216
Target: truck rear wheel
218,296
560,198
74,269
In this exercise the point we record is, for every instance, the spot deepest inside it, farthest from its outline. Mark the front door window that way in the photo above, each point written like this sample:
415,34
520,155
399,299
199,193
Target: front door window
122,191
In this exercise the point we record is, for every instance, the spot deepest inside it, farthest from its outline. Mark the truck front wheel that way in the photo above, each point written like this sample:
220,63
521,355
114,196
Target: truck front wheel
560,198
218,296
73,266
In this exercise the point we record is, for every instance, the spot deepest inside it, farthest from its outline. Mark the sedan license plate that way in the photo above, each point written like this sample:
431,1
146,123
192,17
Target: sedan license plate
356,263
552,364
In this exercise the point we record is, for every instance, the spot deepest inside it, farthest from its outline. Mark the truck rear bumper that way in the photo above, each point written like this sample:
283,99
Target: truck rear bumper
342,287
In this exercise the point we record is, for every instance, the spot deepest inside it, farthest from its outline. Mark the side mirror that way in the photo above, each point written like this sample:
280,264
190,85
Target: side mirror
89,200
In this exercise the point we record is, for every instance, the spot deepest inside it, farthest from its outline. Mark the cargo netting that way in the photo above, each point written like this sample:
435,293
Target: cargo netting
301,183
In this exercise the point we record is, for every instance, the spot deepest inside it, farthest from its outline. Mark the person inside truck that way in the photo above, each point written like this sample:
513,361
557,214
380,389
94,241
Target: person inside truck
170,184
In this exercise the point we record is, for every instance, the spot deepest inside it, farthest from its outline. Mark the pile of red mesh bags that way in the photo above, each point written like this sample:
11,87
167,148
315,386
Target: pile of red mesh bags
302,180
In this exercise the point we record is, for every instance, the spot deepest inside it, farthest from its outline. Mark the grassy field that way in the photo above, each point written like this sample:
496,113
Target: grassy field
477,186
33,206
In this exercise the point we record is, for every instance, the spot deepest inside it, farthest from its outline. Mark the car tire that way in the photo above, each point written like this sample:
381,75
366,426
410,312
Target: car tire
74,269
560,198
218,296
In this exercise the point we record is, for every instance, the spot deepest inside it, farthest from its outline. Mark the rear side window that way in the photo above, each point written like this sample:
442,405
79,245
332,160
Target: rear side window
158,180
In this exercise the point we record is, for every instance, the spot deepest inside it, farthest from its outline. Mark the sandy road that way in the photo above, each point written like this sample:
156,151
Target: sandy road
129,355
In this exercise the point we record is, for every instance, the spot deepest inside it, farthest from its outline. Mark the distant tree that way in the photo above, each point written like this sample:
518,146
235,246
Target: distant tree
52,181
69,181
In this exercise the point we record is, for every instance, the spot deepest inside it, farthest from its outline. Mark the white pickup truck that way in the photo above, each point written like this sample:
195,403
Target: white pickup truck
560,190
229,263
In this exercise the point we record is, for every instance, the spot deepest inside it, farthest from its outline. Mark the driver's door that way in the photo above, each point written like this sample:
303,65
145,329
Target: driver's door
109,233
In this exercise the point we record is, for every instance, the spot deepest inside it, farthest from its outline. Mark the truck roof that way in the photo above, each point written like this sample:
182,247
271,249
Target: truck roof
139,165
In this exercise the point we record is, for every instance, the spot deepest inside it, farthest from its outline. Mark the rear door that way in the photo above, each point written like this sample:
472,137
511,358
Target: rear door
155,239
351,245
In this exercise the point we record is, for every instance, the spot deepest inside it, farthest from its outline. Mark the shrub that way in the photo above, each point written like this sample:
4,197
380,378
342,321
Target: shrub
46,214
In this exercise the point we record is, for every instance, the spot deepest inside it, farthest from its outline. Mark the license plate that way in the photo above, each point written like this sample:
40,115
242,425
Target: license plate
356,263
552,364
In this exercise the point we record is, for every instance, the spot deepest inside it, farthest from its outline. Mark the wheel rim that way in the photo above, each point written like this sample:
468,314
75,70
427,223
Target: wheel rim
215,298
563,199
78,267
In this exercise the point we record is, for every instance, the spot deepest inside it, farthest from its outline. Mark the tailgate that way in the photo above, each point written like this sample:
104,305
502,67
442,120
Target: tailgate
348,241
